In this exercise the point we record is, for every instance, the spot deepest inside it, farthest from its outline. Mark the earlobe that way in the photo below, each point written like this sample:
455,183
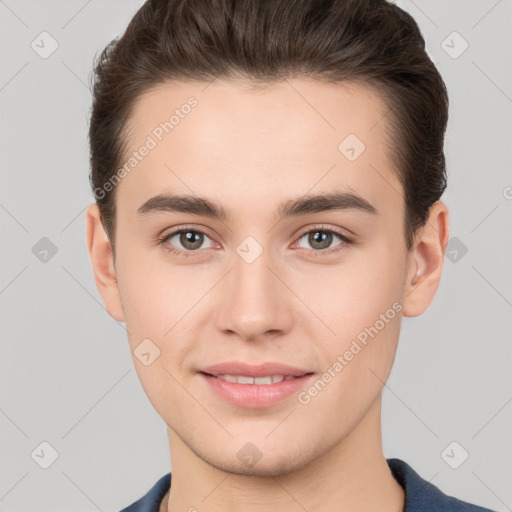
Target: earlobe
426,261
100,254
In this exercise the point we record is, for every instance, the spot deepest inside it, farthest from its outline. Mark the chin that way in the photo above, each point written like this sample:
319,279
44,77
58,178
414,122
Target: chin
277,464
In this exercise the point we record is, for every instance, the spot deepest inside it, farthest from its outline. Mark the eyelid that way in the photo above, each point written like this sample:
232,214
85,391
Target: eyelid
322,227
186,227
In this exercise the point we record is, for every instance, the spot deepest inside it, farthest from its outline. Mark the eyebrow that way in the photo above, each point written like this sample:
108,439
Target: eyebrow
294,207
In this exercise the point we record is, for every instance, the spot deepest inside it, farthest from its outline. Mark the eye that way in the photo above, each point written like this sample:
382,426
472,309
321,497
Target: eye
191,241
320,239
188,241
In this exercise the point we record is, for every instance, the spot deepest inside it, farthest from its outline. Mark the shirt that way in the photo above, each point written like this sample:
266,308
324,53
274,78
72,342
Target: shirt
420,495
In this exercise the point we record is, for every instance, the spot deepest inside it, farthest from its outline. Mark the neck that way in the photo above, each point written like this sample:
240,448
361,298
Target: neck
352,476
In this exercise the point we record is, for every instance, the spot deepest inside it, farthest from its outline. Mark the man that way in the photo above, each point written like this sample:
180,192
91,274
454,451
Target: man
267,179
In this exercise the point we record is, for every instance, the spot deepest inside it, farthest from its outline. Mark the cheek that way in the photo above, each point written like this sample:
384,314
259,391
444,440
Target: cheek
157,306
368,324
360,302
154,294
352,295
357,361
162,303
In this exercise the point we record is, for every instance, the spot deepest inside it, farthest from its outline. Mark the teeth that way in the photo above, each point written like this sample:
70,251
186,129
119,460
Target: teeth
243,379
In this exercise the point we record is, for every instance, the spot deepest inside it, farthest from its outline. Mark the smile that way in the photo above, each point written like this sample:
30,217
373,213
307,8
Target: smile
246,379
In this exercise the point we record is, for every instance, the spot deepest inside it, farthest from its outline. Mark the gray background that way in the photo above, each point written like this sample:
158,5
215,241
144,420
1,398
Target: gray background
67,376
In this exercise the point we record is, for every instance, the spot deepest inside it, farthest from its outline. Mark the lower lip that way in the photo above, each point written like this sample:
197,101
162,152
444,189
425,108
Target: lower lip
256,395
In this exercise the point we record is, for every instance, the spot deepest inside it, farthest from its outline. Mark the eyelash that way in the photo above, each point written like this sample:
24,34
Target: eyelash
180,252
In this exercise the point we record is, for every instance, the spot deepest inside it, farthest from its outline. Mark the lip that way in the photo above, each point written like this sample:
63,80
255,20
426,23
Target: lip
255,396
260,370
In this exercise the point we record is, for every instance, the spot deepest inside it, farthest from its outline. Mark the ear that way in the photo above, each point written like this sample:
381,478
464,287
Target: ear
100,253
426,261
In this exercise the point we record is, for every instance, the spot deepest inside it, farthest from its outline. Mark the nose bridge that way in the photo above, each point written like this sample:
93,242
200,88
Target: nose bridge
253,285
253,302
251,274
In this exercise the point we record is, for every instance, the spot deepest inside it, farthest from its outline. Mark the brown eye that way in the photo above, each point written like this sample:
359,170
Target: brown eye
185,241
320,240
191,240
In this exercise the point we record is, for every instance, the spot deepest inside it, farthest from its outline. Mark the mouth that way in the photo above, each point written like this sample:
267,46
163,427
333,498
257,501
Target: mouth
254,391
260,381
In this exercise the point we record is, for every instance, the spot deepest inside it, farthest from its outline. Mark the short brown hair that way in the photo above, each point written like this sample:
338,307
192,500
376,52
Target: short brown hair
368,41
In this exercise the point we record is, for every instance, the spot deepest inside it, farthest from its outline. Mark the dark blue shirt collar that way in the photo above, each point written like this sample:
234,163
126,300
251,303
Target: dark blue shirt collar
420,495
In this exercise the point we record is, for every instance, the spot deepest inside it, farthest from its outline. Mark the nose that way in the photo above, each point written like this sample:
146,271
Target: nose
254,303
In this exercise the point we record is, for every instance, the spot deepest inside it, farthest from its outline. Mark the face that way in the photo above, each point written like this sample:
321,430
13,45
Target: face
319,285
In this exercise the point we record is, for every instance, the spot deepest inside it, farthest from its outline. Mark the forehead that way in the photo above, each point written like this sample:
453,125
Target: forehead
233,142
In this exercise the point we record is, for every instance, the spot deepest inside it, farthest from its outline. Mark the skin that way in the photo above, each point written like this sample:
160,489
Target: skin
251,150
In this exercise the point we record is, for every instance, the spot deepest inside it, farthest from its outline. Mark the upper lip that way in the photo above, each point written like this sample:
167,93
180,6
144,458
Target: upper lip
260,370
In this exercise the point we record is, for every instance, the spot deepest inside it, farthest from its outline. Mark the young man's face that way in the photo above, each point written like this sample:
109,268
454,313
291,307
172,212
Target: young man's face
256,287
